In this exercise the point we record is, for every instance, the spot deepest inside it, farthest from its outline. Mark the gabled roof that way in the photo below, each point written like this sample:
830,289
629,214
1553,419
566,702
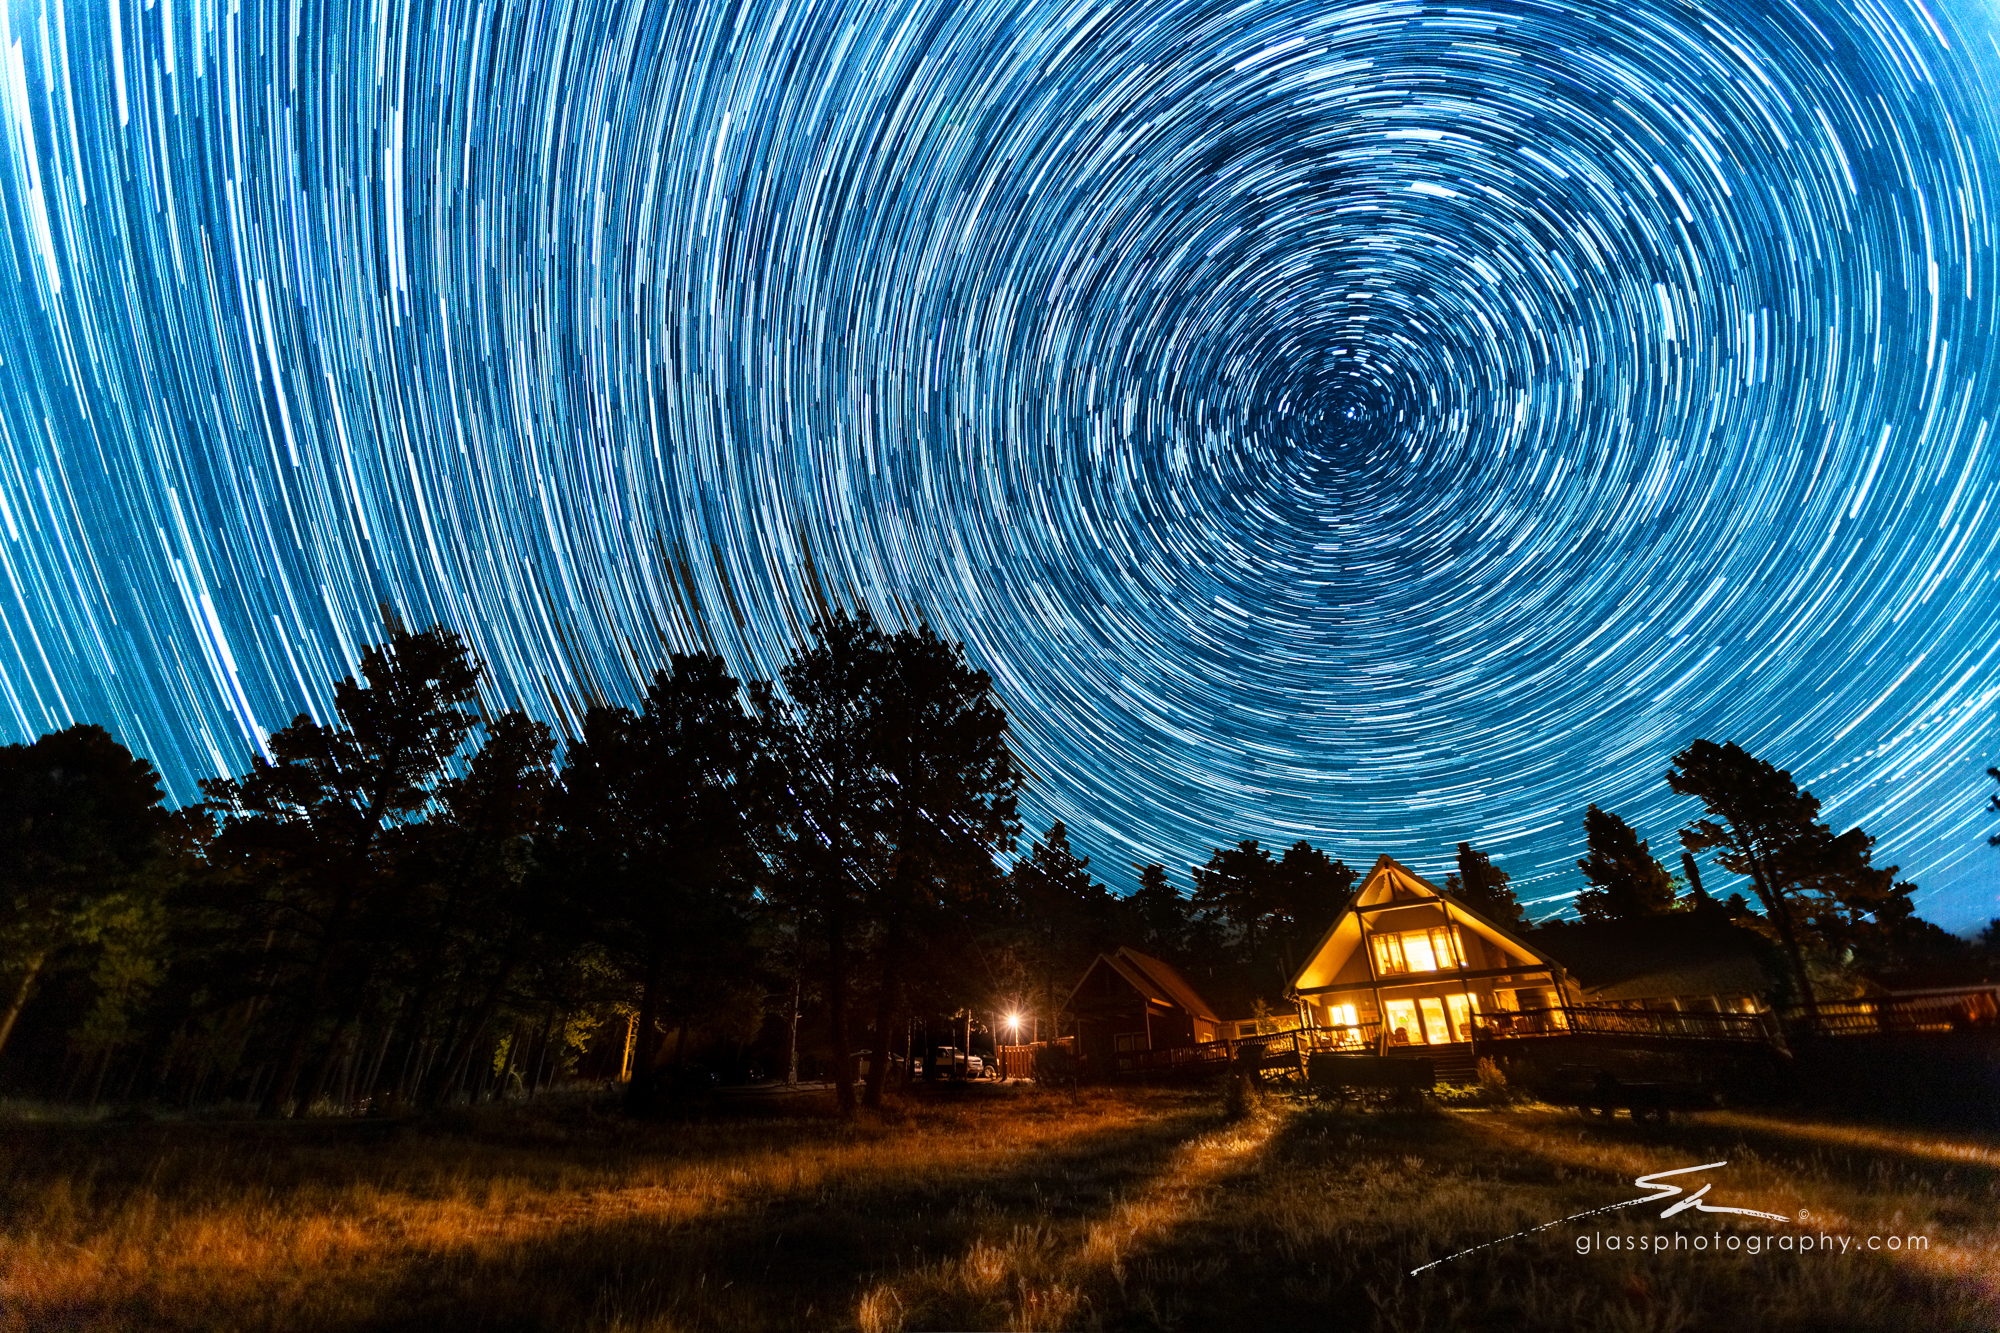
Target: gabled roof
1390,881
1156,980
1655,957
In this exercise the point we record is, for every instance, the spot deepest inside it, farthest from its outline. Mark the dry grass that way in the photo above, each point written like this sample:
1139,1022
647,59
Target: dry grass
1127,1211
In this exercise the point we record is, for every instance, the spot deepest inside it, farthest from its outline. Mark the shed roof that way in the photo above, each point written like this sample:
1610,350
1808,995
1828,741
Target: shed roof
1655,957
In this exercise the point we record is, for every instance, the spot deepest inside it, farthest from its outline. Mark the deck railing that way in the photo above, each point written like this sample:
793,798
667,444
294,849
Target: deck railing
1173,1057
1344,1037
1762,1028
1262,1047
1680,1024
1968,1008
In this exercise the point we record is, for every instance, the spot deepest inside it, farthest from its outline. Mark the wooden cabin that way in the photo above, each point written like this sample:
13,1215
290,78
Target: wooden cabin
1407,965
1129,1002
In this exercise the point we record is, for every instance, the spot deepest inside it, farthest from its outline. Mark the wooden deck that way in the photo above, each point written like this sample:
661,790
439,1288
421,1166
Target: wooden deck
1957,1009
1550,1031
1286,1053
1678,1025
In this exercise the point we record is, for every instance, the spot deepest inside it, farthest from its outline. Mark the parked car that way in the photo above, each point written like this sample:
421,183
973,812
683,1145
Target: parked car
864,1061
951,1062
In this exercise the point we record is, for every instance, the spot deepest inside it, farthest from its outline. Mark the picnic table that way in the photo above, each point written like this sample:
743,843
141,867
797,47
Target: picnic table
1370,1079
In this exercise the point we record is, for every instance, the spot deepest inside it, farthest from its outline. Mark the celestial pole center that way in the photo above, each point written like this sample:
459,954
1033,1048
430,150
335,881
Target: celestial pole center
1387,424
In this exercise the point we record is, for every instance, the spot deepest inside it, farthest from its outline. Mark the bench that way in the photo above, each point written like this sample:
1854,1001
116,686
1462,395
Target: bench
1600,1092
1370,1078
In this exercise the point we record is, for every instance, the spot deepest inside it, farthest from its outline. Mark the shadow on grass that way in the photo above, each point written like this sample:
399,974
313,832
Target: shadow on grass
1345,1205
746,1256
1154,1212
1863,1159
793,1259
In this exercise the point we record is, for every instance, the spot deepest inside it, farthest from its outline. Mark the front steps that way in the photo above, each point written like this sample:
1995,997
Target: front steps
1453,1061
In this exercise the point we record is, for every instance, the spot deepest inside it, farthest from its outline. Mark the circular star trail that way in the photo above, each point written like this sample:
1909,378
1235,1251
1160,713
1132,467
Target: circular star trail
1384,423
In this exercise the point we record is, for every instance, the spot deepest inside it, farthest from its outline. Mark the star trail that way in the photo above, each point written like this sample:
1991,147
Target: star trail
1380,423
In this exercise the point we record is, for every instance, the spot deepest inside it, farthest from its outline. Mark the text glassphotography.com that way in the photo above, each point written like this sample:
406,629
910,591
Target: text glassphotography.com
1688,1241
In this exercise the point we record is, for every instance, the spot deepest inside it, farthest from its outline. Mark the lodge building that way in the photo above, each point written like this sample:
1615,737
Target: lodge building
1407,965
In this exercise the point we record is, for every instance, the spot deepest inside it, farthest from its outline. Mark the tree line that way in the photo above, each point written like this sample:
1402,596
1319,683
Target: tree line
419,899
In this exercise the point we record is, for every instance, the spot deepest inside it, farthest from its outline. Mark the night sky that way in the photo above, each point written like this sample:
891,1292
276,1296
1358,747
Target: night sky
1385,424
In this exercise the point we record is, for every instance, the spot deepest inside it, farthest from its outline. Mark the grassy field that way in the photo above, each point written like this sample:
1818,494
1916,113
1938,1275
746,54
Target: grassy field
1003,1208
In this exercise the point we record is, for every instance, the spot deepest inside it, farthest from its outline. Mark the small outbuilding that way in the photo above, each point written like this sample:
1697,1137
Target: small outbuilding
1129,1002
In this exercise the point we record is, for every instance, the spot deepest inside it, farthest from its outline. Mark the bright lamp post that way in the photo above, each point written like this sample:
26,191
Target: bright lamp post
1013,1024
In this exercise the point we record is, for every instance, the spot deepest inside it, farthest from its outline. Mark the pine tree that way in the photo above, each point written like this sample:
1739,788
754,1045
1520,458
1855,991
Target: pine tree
1064,915
940,739
1816,887
1626,882
80,819
1157,915
1485,888
663,806
1242,885
312,824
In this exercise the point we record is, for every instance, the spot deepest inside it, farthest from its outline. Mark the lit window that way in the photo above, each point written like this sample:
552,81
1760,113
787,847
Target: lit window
1417,951
1389,954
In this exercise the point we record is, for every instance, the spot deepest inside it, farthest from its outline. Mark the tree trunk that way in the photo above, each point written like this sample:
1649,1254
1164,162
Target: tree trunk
20,1000
1773,897
886,1004
410,1088
1781,912
542,1051
836,1008
792,1035
487,1008
639,1099
336,1047
507,1070
680,1056
280,1092
371,1080
886,1014
300,1037
413,1020
97,1085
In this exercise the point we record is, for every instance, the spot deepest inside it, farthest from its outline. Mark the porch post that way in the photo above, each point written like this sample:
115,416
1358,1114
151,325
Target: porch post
1364,924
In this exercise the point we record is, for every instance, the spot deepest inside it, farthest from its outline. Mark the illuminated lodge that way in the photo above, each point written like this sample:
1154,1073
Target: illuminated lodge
1407,965
1408,968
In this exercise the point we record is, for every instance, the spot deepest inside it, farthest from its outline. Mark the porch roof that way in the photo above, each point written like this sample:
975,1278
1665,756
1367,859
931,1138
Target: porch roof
1655,957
